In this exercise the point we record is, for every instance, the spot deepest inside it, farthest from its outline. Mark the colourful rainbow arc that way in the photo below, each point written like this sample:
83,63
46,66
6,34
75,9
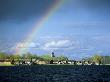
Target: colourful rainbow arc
38,25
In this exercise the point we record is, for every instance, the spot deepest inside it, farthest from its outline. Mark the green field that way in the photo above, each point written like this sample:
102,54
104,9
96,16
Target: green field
55,73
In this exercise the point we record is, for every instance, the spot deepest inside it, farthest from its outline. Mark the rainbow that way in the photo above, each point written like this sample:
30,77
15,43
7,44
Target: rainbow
37,26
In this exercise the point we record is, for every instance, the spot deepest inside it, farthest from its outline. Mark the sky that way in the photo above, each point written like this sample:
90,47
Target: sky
76,29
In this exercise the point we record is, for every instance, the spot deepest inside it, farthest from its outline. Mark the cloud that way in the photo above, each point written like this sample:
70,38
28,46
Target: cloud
87,49
92,24
59,44
102,39
27,45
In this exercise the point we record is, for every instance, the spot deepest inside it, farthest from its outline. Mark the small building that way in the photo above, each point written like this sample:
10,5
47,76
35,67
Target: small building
41,62
5,62
72,62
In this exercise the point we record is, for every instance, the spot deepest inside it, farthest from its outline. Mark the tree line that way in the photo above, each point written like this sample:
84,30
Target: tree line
98,59
45,57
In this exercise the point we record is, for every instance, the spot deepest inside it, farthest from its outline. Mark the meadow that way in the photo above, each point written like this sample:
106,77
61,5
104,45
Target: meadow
55,73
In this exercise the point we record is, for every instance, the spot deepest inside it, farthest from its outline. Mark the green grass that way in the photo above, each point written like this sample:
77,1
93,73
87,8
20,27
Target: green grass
6,64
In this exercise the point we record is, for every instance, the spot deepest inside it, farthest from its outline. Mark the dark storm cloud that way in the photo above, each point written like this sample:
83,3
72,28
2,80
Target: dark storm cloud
97,5
94,9
94,3
23,9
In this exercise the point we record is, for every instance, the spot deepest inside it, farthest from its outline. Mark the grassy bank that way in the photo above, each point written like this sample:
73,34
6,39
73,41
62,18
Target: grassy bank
2,64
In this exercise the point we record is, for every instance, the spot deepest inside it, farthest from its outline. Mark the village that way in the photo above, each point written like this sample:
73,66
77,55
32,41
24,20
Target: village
40,61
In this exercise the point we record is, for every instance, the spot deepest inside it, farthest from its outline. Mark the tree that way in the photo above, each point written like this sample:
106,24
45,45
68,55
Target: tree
11,57
27,56
97,58
62,58
16,56
105,59
47,57
3,56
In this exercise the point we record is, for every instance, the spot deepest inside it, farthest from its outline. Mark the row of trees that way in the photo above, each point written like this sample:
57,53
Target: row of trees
99,59
45,57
